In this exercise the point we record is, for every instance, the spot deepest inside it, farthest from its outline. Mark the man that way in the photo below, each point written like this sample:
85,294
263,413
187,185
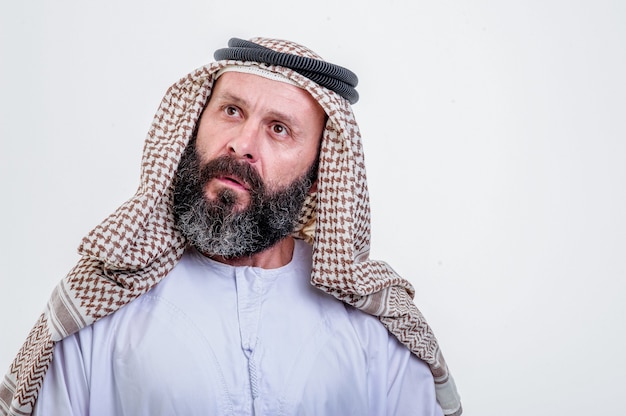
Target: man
195,296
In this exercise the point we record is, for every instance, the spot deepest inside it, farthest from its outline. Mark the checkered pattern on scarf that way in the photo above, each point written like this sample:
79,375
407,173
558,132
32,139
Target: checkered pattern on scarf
138,245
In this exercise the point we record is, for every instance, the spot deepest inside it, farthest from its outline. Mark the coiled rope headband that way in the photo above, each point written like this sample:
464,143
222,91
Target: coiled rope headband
334,77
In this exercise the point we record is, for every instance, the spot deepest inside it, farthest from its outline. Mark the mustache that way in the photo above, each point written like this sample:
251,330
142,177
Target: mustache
228,166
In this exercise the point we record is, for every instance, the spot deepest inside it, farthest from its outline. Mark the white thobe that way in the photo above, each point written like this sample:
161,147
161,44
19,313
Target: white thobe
212,339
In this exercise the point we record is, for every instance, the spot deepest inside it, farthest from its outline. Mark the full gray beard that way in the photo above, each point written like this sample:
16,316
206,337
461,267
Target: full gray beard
217,227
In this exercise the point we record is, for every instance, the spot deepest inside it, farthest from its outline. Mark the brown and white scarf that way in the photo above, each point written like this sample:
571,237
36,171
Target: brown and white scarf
138,245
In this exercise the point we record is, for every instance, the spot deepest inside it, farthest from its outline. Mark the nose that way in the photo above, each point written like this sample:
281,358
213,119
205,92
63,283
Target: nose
245,142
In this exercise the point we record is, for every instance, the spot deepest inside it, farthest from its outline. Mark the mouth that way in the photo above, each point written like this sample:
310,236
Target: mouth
234,182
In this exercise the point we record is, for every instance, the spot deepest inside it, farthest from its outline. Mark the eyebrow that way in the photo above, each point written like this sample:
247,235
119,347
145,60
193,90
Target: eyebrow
227,96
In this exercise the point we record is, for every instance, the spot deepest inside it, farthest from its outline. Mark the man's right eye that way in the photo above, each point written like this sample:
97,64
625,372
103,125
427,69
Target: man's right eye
231,111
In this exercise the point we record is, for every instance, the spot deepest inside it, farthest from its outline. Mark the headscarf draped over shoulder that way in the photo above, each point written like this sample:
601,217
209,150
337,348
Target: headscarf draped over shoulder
138,245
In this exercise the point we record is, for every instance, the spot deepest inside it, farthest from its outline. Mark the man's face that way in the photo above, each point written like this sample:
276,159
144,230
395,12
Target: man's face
242,182
272,126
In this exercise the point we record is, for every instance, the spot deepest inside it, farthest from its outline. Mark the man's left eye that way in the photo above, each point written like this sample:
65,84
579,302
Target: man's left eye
279,129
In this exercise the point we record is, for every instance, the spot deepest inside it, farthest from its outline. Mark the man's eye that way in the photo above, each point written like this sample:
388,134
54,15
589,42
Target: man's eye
231,111
279,129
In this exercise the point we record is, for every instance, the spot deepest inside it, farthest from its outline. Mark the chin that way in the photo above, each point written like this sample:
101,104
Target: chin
229,199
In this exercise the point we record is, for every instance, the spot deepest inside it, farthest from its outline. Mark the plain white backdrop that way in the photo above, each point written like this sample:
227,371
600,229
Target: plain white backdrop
495,142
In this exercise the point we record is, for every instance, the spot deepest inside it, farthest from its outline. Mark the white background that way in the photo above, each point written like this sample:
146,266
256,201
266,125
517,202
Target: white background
495,139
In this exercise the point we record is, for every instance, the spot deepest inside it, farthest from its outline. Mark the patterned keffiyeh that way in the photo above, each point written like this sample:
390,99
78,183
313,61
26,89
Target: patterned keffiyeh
138,245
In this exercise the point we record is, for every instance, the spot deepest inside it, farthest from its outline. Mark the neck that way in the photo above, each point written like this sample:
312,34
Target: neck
274,257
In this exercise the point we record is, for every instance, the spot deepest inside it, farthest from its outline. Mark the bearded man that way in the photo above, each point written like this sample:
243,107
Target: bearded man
237,280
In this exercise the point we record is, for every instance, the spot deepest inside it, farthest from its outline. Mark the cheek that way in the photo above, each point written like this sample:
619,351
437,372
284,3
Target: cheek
286,170
207,141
